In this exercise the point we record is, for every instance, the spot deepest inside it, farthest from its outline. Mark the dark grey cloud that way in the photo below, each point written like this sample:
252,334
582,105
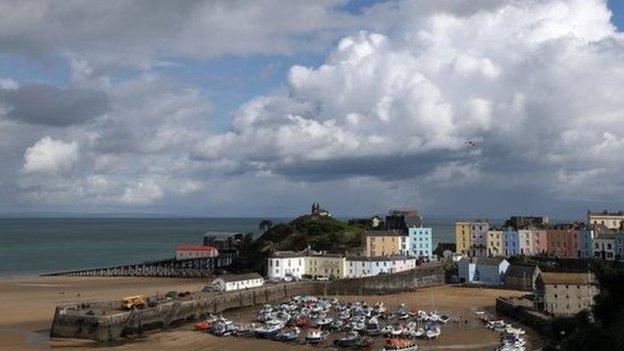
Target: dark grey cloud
49,105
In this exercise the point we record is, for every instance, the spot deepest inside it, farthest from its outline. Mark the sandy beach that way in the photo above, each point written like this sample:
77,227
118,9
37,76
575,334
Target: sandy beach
27,306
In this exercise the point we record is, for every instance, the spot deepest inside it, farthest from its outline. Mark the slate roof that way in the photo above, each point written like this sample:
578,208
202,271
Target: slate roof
567,278
520,271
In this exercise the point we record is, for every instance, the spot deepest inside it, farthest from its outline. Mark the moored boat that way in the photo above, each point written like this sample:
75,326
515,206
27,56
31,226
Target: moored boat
397,344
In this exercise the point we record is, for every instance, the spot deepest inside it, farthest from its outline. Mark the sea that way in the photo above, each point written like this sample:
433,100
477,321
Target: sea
31,246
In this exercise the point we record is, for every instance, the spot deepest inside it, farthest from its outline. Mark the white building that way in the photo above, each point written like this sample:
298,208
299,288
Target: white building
358,267
185,251
286,263
482,270
231,282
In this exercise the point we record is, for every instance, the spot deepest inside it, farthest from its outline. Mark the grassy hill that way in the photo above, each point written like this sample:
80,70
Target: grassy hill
318,232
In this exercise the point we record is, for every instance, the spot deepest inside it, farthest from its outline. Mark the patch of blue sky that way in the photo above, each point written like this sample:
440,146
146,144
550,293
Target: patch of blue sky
230,81
52,70
617,7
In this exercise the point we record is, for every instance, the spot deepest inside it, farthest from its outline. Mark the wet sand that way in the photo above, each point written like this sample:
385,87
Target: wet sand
27,306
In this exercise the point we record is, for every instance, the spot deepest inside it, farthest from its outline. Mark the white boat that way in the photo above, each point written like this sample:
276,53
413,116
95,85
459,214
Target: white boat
397,330
316,336
270,329
433,333
419,332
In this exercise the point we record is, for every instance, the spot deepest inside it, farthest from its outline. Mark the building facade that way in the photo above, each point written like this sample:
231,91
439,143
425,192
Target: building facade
526,241
495,243
587,243
557,242
512,242
564,294
325,265
185,251
358,267
462,237
482,270
619,246
521,277
604,248
540,245
284,264
478,234
612,220
420,242
384,243
231,282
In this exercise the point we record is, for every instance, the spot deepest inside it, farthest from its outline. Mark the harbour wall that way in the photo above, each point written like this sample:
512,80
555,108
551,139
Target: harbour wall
105,322
74,322
425,275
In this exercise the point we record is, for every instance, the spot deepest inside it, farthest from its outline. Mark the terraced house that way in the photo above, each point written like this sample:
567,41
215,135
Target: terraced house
420,242
384,243
495,243
462,237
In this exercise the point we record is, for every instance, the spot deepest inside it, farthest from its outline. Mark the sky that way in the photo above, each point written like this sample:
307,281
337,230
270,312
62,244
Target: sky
258,108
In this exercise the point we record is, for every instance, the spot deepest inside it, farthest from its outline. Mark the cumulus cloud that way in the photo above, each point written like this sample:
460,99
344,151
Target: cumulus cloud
142,192
420,102
49,156
50,105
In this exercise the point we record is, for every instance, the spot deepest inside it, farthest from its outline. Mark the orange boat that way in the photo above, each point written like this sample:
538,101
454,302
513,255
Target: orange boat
203,326
397,344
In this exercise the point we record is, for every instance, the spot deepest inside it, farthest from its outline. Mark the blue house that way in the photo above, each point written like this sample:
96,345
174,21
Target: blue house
512,242
420,242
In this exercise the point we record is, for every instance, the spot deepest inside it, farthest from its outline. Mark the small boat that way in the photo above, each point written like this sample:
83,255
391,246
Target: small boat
444,319
380,308
433,333
396,344
351,340
204,325
397,330
302,321
387,330
224,329
266,309
269,330
336,325
372,327
316,336
417,333
245,330
288,335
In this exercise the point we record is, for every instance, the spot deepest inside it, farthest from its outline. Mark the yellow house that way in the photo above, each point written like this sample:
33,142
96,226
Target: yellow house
495,243
326,265
462,237
384,243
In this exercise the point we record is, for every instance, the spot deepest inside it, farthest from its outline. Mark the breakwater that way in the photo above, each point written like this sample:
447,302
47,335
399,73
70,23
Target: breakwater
106,322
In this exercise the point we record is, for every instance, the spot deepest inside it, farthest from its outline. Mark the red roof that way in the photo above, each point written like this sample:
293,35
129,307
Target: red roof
187,247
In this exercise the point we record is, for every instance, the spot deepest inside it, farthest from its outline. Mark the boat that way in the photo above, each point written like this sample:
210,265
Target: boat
397,330
372,327
402,311
204,325
397,344
417,333
351,340
245,330
302,321
291,334
336,325
316,336
444,319
433,332
224,328
266,309
380,308
269,330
